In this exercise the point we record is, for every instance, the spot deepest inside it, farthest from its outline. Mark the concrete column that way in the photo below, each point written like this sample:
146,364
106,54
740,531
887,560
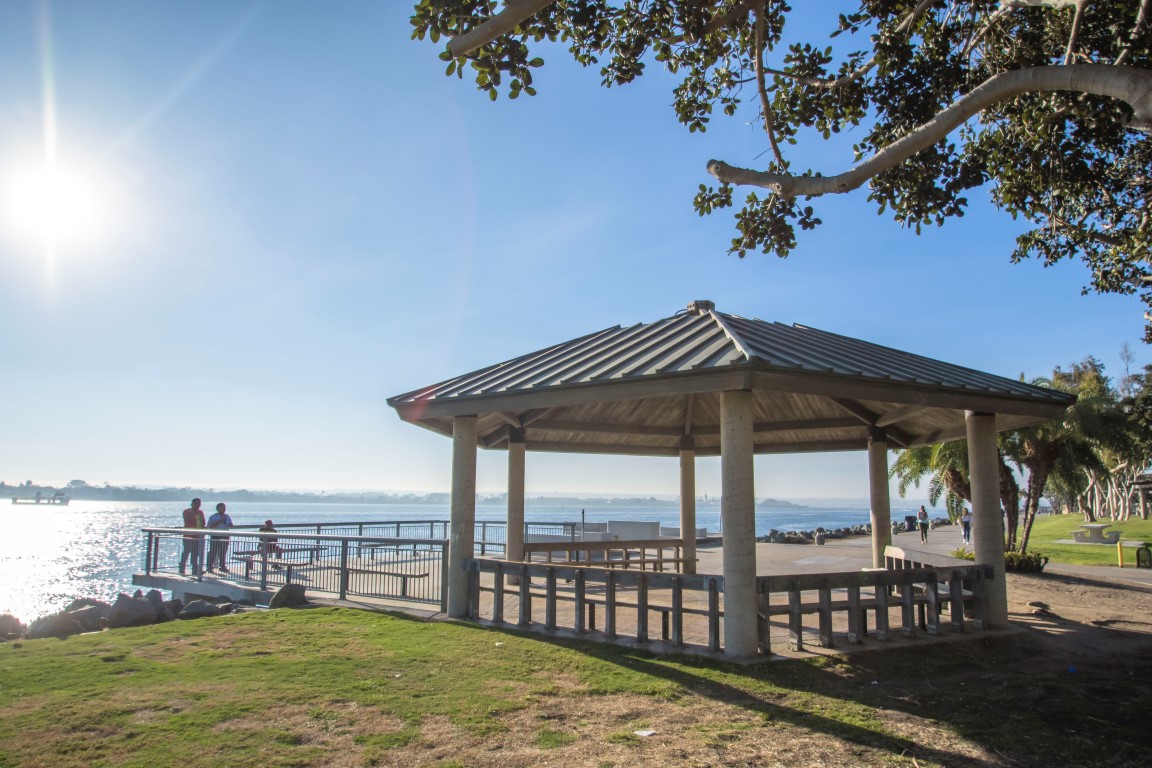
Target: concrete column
514,545
881,505
987,519
462,537
737,510
688,501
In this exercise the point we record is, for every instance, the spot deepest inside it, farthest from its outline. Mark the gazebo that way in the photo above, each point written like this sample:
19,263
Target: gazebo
707,383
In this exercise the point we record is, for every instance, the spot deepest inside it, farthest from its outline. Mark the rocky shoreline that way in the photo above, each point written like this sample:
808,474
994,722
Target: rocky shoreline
137,610
820,535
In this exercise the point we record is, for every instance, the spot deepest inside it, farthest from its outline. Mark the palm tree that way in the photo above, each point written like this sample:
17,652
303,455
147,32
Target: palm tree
1069,446
947,466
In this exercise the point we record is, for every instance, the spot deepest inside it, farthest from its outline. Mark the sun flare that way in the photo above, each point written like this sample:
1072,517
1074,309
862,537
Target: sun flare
54,206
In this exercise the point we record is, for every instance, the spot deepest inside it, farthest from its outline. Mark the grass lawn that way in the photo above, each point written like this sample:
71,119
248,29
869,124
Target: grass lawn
339,687
1049,528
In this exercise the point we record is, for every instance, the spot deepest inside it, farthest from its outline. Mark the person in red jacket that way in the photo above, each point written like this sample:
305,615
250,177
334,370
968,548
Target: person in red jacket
193,545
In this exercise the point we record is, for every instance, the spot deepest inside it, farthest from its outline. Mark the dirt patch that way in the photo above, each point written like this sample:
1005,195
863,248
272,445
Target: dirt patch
954,704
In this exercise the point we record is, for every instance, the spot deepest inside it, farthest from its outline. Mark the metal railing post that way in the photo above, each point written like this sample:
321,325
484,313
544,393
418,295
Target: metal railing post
344,575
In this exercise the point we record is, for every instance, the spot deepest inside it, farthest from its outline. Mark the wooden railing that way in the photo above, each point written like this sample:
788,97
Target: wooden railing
588,589
920,592
646,554
533,596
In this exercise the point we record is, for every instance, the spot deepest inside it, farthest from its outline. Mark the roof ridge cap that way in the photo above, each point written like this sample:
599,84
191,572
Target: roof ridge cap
732,335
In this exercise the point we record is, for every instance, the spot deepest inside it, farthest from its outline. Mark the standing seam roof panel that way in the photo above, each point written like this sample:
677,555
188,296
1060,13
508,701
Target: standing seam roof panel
959,376
644,360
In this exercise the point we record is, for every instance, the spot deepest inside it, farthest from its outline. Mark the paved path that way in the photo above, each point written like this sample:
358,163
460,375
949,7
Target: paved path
854,553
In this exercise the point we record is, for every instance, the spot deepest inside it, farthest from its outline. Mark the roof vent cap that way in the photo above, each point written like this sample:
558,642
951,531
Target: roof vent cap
701,307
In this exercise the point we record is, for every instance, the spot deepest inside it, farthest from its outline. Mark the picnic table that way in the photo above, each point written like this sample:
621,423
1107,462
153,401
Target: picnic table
1094,533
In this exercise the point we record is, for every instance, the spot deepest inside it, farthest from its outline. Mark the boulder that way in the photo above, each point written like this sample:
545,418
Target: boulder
10,626
199,609
84,602
54,625
156,600
289,596
131,612
92,618
174,606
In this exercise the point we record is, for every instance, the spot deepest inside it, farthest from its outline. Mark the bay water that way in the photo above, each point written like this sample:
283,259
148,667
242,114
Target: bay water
50,555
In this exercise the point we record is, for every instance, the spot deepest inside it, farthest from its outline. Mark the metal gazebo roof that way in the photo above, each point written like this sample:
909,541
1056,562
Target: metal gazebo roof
640,390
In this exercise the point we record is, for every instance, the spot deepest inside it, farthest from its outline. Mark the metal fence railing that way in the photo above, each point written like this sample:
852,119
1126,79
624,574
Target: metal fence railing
342,565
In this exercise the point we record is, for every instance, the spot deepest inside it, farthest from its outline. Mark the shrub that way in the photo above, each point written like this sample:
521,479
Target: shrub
963,554
1024,562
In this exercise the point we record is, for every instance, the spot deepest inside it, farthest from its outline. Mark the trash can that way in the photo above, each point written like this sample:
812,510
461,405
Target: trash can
1144,556
910,523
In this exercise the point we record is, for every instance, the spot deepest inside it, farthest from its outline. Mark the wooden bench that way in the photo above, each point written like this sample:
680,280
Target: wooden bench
277,564
404,577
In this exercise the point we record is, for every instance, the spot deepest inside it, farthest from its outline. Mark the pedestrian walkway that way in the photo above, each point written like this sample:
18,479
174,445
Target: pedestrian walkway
854,553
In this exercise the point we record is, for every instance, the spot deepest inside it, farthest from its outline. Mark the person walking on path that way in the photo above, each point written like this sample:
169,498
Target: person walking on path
193,545
966,526
922,523
218,548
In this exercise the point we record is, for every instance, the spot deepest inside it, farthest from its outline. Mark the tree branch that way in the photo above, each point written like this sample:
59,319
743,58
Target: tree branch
1133,86
1137,29
769,115
513,13
1076,21
863,69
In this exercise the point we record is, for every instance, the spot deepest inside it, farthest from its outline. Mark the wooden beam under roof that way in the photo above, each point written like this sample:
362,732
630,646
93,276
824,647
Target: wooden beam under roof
901,413
643,430
869,417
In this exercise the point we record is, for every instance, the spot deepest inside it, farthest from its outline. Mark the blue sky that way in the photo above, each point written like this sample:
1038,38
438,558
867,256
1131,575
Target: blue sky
300,216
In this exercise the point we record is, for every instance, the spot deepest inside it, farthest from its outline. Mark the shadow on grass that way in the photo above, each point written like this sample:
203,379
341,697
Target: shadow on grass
1008,695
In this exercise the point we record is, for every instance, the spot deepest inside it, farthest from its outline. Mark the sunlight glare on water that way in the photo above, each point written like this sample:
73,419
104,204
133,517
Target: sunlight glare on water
51,555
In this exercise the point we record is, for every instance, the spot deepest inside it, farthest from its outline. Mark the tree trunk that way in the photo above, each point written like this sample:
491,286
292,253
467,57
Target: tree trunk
1037,478
1010,501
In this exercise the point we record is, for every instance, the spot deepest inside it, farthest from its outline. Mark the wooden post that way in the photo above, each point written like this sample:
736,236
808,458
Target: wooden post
498,594
579,594
713,615
987,519
881,508
738,509
514,537
854,615
908,607
677,612
881,597
641,608
550,599
795,620
825,617
462,541
610,605
956,601
688,503
931,589
525,597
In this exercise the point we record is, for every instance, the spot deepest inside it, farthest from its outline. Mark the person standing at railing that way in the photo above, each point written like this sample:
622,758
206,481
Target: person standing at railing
193,545
218,548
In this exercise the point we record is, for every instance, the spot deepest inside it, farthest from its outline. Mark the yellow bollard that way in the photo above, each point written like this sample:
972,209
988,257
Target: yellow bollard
1120,552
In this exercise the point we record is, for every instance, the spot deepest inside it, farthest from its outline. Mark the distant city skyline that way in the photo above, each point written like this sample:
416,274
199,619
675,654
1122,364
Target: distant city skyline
299,216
